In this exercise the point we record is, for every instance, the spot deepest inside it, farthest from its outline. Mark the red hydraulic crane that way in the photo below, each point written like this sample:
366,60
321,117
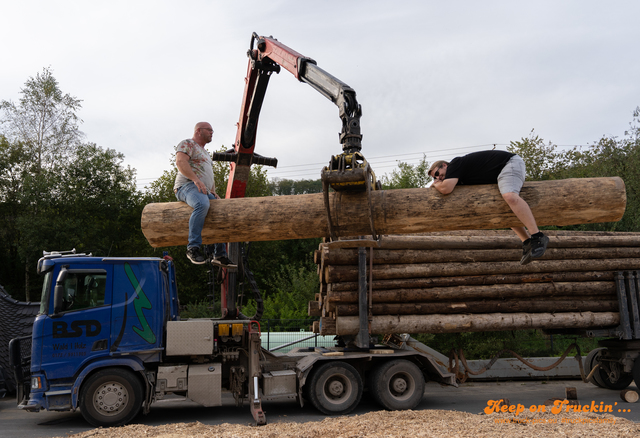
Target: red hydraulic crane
346,171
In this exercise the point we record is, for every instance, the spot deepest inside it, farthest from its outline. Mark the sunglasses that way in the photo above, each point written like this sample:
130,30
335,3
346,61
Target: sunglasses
437,173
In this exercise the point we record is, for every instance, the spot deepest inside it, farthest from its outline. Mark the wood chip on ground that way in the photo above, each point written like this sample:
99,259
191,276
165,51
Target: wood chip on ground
424,423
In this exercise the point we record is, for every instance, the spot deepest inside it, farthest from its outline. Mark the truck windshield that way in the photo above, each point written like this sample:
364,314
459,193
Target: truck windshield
44,296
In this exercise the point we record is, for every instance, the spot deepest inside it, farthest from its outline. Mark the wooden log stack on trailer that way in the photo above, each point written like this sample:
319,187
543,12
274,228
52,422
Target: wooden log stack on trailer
473,281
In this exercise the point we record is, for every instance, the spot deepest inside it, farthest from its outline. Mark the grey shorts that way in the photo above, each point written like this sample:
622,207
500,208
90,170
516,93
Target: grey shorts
512,176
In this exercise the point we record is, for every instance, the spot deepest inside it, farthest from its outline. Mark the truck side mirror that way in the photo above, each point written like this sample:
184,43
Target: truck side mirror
58,291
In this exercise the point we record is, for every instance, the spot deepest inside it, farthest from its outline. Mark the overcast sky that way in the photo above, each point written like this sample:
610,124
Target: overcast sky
433,77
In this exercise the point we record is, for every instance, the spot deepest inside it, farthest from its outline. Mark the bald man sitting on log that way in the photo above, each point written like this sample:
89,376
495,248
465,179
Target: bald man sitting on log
495,167
195,185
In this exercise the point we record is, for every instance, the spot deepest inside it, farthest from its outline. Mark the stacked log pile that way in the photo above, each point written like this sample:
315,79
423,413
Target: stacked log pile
473,281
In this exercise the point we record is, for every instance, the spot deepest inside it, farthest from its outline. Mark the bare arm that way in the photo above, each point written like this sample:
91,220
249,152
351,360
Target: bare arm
182,163
445,186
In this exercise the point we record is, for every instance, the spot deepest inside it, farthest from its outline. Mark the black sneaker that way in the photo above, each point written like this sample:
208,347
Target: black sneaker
195,255
526,252
223,262
538,246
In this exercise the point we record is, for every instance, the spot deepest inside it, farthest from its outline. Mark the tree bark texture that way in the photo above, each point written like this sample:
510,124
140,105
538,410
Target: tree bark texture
401,211
473,281
339,273
439,323
500,239
569,304
383,257
496,291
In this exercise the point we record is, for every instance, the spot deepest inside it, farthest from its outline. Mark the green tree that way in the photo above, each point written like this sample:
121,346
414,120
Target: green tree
14,159
101,202
291,291
93,207
45,124
283,186
161,190
407,176
57,192
45,120
610,156
541,159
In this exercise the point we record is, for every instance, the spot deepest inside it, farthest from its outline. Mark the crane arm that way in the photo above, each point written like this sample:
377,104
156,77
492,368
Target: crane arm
268,56
306,70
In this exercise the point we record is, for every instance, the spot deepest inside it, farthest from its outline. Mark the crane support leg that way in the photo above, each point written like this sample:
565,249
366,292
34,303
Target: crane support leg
254,372
362,339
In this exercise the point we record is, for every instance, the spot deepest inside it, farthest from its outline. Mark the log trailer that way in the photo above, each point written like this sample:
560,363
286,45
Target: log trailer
586,285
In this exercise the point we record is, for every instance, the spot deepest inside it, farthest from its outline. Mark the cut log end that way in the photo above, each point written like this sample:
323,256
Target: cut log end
629,395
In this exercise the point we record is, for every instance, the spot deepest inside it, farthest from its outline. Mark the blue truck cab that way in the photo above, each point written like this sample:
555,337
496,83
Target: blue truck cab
96,313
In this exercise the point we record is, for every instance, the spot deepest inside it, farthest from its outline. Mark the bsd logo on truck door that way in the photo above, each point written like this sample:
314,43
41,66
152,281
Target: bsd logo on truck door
61,328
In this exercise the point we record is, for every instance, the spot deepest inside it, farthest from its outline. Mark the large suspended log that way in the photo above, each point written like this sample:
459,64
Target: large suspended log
402,211
439,323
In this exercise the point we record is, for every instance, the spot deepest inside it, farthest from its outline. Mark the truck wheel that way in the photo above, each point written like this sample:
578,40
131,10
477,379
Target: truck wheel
111,398
335,388
397,385
590,362
623,380
606,380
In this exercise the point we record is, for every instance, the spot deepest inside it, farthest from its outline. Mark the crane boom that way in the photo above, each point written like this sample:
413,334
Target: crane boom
266,56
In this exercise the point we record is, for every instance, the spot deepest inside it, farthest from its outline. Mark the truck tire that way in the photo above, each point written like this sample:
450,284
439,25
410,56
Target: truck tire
335,388
590,362
602,378
397,385
111,398
623,381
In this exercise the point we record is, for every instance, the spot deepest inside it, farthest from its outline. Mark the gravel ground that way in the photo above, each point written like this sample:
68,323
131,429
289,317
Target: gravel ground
426,423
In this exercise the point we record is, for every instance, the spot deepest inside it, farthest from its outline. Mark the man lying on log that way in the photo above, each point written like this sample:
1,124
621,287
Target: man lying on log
508,171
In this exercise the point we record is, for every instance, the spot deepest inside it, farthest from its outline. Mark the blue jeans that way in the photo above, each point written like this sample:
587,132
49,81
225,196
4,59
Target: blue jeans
190,194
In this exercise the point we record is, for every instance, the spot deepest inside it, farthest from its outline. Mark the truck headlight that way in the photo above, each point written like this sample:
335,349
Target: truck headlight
36,383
